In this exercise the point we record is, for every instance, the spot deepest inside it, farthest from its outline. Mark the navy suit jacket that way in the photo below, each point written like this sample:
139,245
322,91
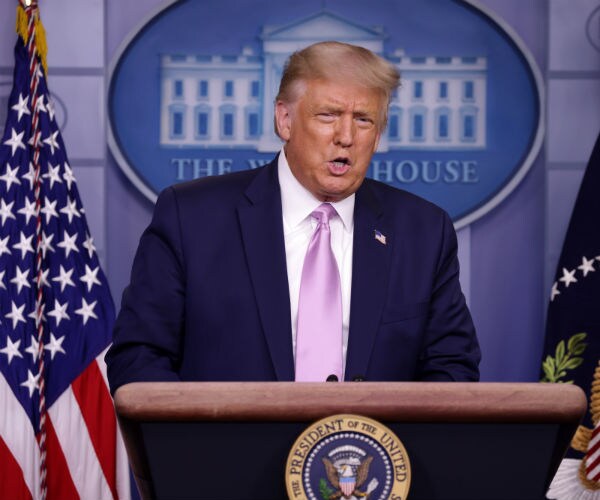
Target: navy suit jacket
209,297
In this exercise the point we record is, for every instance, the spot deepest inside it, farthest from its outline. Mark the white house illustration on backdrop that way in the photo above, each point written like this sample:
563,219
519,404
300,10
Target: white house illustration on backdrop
226,101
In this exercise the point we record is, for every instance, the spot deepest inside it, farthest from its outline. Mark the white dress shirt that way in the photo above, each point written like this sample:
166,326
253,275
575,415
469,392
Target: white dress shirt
298,226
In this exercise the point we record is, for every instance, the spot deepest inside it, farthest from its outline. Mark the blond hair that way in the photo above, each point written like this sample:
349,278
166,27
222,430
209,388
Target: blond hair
338,61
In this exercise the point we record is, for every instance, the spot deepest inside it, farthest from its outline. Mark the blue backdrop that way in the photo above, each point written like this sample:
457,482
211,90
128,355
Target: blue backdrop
507,256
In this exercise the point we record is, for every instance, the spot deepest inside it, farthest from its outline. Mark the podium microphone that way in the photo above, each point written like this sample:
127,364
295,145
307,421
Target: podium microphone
332,378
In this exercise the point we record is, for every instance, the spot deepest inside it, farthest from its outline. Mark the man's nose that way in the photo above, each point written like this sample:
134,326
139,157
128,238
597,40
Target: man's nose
344,131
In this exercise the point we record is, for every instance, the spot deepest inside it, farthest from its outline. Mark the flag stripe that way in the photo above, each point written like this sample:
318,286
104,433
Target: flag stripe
79,452
59,481
593,456
18,437
123,475
11,477
594,474
592,464
122,467
594,443
97,410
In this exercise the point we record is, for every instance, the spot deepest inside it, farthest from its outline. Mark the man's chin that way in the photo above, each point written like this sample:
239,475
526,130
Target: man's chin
335,193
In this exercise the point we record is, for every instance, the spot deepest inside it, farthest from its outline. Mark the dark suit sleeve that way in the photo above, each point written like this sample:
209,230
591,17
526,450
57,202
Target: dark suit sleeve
148,331
450,349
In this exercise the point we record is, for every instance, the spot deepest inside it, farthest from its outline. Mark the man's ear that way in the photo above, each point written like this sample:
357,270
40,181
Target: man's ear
283,119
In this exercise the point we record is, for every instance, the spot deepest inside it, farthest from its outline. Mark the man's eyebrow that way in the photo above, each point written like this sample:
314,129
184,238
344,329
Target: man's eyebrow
338,108
328,107
365,113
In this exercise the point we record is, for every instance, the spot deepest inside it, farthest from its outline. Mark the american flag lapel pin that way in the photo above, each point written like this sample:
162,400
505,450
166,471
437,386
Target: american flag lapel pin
380,237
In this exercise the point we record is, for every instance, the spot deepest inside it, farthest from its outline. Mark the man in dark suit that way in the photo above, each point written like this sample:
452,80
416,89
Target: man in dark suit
217,284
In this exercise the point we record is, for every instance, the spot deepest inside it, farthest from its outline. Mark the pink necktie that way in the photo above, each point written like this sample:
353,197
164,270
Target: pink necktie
319,333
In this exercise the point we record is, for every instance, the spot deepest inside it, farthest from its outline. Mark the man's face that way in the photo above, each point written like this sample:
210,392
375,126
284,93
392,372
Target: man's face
331,132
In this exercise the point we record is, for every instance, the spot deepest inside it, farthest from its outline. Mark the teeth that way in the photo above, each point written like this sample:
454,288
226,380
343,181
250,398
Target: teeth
339,164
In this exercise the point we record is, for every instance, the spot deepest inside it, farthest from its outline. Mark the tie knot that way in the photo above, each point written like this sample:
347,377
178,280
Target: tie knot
324,212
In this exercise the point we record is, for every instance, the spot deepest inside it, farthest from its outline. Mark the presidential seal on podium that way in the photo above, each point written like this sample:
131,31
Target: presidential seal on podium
348,457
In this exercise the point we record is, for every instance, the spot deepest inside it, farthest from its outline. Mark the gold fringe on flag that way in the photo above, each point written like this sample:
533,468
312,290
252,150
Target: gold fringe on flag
21,23
583,435
581,439
595,399
40,33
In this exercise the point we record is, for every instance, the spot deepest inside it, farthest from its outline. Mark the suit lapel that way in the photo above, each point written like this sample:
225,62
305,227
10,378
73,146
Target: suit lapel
262,231
370,269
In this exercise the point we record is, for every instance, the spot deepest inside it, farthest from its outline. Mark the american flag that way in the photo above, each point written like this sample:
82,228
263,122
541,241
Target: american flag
58,433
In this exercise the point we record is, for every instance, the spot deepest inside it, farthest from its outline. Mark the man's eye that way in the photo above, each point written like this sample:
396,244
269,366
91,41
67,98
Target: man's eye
326,116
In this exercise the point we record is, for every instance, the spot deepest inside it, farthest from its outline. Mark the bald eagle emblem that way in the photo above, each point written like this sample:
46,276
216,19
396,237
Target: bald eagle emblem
347,479
334,459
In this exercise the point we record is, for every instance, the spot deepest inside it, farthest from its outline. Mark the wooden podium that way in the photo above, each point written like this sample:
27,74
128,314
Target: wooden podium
222,440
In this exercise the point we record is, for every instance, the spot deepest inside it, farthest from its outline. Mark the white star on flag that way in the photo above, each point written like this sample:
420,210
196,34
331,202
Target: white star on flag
44,277
68,243
89,278
46,243
32,382
50,108
15,142
4,246
554,292
30,176
587,266
53,175
2,285
59,312
35,141
89,245
24,244
28,210
33,349
64,278
51,141
87,310
11,349
34,315
49,209
20,279
39,106
70,209
55,345
6,211
40,75
16,314
68,175
568,277
10,177
21,107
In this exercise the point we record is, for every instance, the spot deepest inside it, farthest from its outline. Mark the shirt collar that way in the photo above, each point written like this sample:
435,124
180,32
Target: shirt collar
298,203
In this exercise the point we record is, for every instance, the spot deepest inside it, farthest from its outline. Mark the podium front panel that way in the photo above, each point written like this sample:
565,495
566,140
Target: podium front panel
246,460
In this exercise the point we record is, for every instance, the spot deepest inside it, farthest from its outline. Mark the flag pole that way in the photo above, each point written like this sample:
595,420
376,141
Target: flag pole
35,68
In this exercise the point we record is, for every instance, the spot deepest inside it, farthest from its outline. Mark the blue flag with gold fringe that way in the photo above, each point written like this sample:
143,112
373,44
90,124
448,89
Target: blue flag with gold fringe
572,350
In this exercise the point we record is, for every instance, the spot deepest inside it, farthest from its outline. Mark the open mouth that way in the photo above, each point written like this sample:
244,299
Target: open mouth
339,165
